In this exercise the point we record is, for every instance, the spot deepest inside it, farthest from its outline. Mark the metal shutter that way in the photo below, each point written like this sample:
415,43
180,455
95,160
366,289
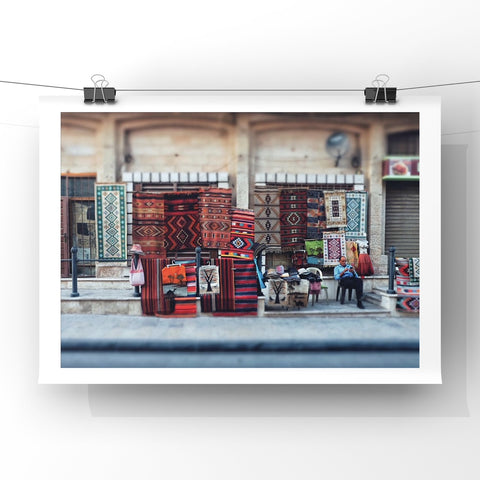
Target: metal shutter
402,218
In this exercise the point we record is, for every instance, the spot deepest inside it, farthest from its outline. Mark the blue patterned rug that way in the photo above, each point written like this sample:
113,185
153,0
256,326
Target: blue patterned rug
111,221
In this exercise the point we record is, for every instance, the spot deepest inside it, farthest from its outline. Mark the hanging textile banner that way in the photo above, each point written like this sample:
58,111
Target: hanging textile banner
316,219
267,217
293,219
208,279
242,235
215,220
334,248
335,209
356,215
148,222
352,253
182,226
111,219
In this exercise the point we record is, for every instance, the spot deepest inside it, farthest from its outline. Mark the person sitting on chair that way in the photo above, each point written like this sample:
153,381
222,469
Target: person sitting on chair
349,278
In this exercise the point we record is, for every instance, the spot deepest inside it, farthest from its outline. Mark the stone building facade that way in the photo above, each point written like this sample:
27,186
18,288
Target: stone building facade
241,151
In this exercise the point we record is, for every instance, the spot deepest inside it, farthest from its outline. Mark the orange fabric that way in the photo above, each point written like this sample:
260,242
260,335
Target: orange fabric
174,275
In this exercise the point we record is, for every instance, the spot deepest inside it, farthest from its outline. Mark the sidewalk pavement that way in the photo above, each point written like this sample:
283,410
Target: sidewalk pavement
286,340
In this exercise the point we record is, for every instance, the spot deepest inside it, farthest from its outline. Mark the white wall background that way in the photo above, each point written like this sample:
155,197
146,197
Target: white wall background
80,432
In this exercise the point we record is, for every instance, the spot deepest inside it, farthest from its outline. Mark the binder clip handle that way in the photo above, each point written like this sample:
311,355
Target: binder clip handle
100,91
380,92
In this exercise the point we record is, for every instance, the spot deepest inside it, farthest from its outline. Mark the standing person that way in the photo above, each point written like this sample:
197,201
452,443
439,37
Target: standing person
348,278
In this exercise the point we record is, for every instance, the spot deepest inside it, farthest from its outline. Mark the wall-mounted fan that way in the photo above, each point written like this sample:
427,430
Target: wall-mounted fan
338,145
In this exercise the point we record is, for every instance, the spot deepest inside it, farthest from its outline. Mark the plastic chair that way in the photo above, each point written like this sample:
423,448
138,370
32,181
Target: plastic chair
315,294
343,289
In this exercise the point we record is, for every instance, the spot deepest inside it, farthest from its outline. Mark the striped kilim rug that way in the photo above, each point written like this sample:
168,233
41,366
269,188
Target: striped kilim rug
111,208
242,236
316,219
148,223
225,300
356,215
185,307
245,288
335,209
152,292
191,270
182,226
408,290
215,221
293,219
334,247
267,217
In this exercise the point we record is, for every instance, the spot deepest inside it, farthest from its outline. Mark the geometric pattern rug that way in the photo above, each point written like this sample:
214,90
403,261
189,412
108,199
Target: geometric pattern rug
316,219
335,209
293,219
242,236
356,215
409,304
215,219
148,222
111,208
267,217
181,221
334,247
414,269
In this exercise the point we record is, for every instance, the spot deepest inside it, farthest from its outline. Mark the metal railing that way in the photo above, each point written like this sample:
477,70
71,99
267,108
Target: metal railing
391,270
136,293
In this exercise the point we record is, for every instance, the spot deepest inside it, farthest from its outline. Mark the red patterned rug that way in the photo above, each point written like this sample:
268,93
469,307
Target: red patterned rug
242,236
293,219
215,220
148,223
181,221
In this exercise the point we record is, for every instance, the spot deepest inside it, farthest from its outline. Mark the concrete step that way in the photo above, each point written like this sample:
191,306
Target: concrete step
97,284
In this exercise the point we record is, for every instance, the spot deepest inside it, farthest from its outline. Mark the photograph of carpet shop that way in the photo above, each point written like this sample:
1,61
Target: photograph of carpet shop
195,239
241,215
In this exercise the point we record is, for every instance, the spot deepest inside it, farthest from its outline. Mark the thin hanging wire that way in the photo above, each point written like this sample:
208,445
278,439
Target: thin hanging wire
241,89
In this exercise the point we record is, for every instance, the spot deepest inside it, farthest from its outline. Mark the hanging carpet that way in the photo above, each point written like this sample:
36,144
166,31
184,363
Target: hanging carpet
152,291
316,219
245,276
352,253
356,215
293,219
334,248
182,226
335,209
267,217
242,236
111,221
148,223
414,269
277,292
215,221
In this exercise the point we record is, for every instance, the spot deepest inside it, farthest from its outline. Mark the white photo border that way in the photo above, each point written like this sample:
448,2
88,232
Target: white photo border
50,371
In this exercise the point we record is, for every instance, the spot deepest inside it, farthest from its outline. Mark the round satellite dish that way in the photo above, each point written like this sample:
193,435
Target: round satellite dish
338,145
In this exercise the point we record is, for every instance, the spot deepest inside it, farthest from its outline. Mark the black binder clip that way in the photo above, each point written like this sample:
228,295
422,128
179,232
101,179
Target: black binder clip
100,92
379,93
